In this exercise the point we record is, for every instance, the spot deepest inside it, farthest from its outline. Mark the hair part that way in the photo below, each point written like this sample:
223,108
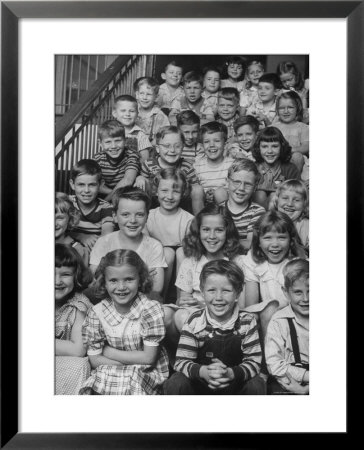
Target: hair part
125,98
244,164
295,270
228,269
86,167
67,256
272,134
213,127
150,82
111,128
130,193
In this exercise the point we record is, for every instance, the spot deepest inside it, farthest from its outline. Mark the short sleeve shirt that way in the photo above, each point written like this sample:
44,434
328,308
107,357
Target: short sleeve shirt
212,177
92,222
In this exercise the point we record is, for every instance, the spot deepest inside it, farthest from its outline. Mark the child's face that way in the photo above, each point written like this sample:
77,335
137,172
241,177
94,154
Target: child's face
291,203
113,146
213,144
122,284
234,70
226,108
126,113
288,80
241,186
246,136
131,216
86,188
253,74
270,152
190,133
212,81
193,91
298,295
61,223
287,110
170,148
146,97
172,76
213,233
275,245
169,194
266,92
64,282
220,297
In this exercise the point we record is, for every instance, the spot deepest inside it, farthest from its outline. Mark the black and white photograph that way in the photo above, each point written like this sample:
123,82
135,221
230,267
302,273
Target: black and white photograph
182,224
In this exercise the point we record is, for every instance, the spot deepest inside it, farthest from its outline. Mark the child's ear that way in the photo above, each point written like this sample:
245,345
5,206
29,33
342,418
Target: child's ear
114,218
72,184
114,114
163,76
157,148
285,292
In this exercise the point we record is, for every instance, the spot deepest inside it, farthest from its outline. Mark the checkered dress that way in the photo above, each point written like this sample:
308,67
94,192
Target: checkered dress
105,326
70,371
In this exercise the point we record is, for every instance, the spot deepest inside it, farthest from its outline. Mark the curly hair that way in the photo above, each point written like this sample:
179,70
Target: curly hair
234,59
280,222
292,95
192,245
291,185
63,205
67,256
118,258
272,134
177,175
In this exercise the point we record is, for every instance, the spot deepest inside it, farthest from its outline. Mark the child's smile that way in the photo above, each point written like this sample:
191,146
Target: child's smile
213,144
266,92
170,148
190,133
212,82
287,110
131,217
61,223
173,76
169,194
122,283
125,112
64,282
270,152
86,188
275,246
234,71
193,91
227,108
246,137
113,146
146,97
291,203
220,297
254,74
299,297
213,233
241,186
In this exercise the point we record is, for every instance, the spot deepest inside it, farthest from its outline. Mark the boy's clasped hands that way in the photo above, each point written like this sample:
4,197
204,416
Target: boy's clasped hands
217,375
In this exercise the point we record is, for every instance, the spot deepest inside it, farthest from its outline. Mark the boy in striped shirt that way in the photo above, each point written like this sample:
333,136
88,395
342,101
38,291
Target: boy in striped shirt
219,351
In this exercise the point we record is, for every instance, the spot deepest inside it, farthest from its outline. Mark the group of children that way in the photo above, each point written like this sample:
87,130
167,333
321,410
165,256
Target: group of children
182,253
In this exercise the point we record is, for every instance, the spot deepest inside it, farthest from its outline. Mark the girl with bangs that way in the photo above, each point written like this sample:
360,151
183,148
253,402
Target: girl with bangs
275,242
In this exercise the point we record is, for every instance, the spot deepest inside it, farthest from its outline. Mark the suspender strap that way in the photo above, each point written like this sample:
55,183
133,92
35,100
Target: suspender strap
296,350
151,128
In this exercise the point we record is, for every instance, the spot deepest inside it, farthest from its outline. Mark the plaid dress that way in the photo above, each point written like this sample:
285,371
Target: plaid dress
70,371
105,326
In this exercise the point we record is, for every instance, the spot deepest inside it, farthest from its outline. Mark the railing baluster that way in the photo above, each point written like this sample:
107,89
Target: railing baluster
88,71
70,83
79,78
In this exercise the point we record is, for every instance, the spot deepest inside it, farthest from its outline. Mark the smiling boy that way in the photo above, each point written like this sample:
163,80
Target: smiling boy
171,89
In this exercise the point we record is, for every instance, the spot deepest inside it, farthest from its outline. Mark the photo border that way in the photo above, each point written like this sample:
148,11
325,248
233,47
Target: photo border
11,12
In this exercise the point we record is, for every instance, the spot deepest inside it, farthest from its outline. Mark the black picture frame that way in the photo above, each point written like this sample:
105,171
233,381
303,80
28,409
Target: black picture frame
11,13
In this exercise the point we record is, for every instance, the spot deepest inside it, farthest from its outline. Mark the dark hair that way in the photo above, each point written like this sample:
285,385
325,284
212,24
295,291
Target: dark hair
294,270
130,193
271,78
111,128
213,127
187,117
244,164
247,120
148,81
290,67
229,93
172,173
193,75
272,134
173,63
63,205
118,258
234,59
86,167
229,269
280,222
125,98
192,245
67,256
292,95
170,129
210,69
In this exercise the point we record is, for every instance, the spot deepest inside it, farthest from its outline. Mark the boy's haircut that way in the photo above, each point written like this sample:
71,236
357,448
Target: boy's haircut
193,75
63,205
111,128
86,167
210,69
118,258
294,270
67,256
173,63
247,120
188,117
271,78
170,129
172,173
280,222
213,127
272,134
291,185
230,93
146,81
245,164
125,98
292,95
229,269
290,67
130,193
234,59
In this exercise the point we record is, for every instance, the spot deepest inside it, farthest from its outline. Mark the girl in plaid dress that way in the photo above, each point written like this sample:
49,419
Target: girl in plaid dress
124,331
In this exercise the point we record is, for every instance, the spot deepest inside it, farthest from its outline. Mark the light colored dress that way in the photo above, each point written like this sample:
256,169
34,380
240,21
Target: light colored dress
71,371
142,325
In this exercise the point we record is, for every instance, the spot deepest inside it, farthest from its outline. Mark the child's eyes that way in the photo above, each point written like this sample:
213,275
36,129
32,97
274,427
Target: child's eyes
140,215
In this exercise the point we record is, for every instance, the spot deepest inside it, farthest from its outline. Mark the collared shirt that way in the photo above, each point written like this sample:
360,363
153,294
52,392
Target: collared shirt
152,121
194,334
166,97
142,141
229,125
278,345
258,106
92,222
201,108
66,315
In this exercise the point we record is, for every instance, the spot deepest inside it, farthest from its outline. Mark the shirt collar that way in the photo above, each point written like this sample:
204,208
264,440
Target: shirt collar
114,318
